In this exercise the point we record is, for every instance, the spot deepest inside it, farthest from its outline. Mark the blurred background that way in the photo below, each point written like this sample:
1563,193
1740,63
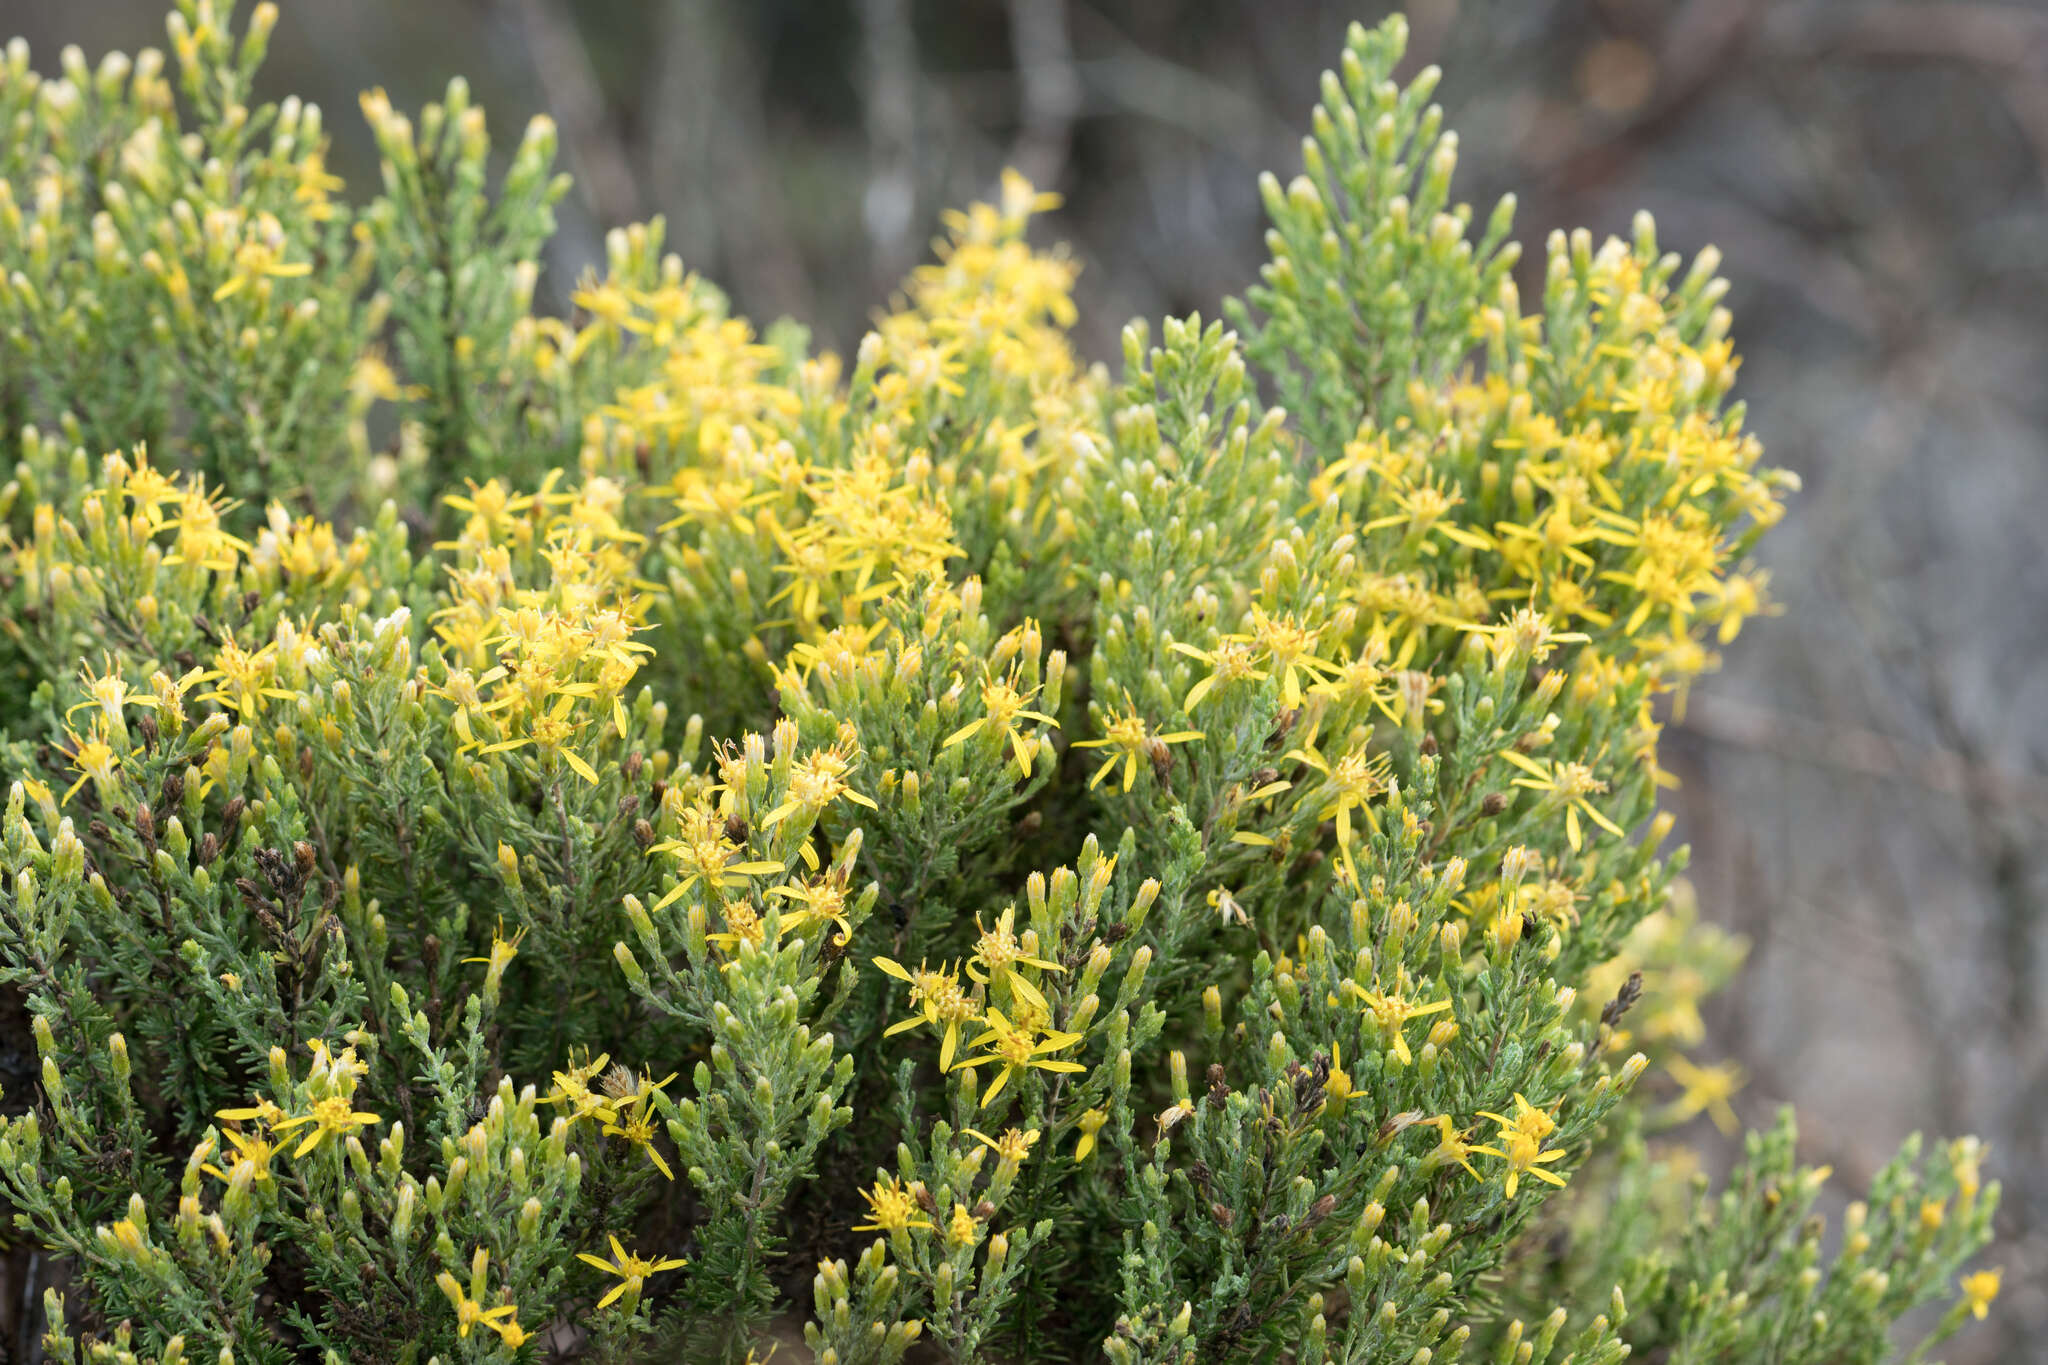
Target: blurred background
1864,782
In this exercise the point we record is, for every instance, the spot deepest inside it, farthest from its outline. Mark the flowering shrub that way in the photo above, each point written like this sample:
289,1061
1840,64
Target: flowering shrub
537,836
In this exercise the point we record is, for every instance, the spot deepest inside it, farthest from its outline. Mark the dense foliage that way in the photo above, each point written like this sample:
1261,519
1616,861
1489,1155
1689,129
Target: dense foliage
604,835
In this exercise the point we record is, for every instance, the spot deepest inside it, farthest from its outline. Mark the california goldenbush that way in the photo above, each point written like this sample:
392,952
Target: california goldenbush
610,834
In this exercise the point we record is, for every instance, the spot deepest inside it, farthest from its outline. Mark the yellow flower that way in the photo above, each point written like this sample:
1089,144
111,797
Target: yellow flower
1528,1119
503,950
704,854
94,758
1524,1153
815,781
609,305
1127,737
1522,1138
469,1311
998,951
1004,706
1706,1090
251,1150
1231,661
1010,1149
572,1090
110,692
1741,596
1015,1048
1090,1124
636,1125
1422,508
823,901
507,1327
893,1207
1981,1288
331,1117
244,680
963,1229
742,925
938,1000
631,1270
1390,1011
1526,637
263,1112
258,259
1350,784
1289,649
1337,1085
1552,534
201,541
1451,1147
1569,784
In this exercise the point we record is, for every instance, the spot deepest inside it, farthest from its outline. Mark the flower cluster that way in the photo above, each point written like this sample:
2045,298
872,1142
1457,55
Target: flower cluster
478,782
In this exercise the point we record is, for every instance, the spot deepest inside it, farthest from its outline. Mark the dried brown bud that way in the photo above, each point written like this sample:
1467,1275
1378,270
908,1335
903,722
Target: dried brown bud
1624,1000
1428,745
147,724
736,830
171,794
1321,1209
643,833
634,763
1494,803
984,1211
1160,756
1224,1217
209,848
618,1082
302,855
1393,1126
